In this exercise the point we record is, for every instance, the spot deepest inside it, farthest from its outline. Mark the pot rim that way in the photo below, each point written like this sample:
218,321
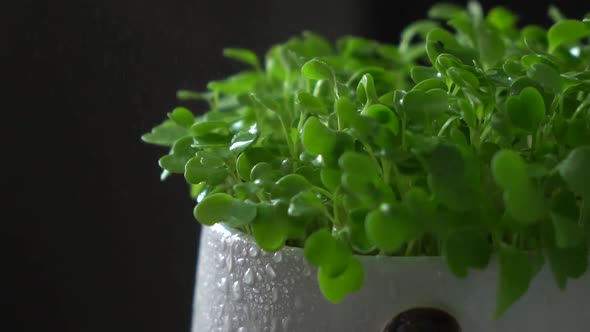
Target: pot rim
228,231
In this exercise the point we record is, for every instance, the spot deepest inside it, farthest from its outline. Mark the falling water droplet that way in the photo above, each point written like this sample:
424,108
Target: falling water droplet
248,277
270,271
277,257
237,291
275,294
222,284
253,251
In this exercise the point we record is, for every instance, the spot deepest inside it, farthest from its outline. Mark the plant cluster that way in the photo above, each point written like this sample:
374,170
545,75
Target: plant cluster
465,144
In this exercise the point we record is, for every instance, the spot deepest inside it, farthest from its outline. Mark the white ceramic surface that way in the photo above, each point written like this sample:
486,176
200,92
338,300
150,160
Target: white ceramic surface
241,288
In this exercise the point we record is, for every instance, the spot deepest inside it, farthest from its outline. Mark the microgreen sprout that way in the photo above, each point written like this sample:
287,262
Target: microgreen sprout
470,142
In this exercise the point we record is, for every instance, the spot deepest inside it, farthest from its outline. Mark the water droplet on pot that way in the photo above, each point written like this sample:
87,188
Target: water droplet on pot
249,277
274,324
258,275
242,329
240,261
222,284
226,324
306,270
285,323
253,251
270,271
237,291
229,262
277,257
221,260
298,302
220,310
275,294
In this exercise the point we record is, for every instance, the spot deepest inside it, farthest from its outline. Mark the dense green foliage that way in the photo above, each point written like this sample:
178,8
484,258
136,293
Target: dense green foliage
466,144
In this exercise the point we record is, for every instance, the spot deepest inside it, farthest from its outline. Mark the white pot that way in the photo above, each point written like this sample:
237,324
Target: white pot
242,288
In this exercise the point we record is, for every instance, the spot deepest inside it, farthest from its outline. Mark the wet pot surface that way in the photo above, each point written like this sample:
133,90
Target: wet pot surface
242,288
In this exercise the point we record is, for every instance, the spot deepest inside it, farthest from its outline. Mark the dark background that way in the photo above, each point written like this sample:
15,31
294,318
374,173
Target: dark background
98,242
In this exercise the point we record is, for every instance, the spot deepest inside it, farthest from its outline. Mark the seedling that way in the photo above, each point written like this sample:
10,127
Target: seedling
472,144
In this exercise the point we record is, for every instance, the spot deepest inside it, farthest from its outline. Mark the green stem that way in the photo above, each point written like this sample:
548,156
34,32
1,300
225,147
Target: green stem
324,192
446,125
585,103
288,138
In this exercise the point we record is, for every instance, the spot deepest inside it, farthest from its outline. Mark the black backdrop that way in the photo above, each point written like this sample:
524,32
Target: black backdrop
98,242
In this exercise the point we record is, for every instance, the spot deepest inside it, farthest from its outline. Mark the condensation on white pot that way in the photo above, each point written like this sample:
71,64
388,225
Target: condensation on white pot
241,288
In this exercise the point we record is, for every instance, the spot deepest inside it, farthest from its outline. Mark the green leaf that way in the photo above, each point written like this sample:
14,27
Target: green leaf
430,84
489,44
566,31
357,234
202,129
419,104
182,117
390,227
311,104
182,151
224,208
448,179
421,73
335,288
546,76
205,169
501,18
317,70
165,134
385,116
330,178
305,204
535,38
516,274
564,215
521,199
567,263
574,170
463,78
526,111
366,92
524,205
444,11
242,55
467,249
290,185
269,232
242,140
323,250
359,165
235,85
316,137
421,27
